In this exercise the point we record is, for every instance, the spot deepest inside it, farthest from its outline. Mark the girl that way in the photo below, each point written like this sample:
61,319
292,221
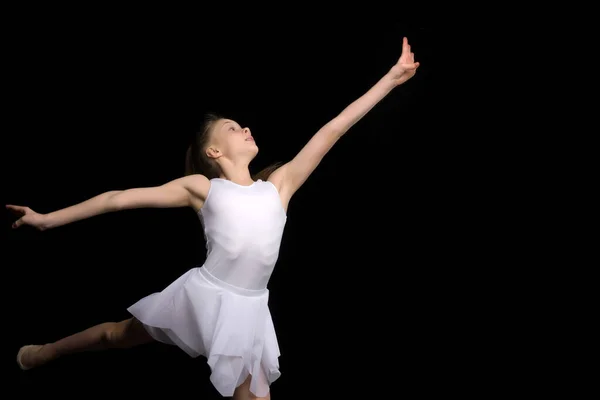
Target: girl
218,310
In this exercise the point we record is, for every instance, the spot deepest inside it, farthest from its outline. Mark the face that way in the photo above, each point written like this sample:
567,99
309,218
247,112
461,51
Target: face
232,141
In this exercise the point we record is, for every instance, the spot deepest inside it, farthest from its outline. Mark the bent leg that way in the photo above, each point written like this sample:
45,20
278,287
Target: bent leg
124,334
243,392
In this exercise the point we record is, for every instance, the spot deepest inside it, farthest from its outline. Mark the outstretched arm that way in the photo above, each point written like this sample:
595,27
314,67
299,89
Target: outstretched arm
187,191
293,174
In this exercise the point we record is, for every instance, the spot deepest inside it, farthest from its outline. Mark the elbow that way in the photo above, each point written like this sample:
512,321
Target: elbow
114,201
337,127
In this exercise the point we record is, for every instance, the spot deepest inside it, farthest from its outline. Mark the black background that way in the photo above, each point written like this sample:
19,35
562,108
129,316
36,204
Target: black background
371,294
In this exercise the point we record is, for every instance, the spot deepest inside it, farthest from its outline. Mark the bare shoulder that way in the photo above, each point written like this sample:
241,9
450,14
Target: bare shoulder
198,187
277,178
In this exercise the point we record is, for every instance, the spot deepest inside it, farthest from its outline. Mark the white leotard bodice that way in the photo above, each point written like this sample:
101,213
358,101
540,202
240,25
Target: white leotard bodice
243,227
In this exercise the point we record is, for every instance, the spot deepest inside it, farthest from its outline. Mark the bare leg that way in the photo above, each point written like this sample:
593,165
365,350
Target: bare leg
124,334
243,392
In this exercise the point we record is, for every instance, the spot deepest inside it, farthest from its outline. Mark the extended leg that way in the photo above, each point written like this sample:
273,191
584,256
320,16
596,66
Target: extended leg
124,334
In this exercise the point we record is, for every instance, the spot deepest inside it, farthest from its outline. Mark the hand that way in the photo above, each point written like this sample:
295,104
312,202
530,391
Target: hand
27,217
406,67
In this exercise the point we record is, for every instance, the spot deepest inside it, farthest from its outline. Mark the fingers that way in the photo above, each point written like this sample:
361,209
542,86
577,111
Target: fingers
405,49
407,55
410,66
407,59
17,210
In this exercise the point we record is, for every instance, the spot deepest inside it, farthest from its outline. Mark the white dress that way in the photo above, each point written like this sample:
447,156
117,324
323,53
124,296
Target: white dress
220,310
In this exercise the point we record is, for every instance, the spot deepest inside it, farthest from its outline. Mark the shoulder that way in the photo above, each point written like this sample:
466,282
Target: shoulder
198,187
277,178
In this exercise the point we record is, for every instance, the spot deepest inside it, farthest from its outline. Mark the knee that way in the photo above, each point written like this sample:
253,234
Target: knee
124,334
111,334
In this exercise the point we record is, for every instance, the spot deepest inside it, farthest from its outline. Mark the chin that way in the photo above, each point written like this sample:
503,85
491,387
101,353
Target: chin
251,153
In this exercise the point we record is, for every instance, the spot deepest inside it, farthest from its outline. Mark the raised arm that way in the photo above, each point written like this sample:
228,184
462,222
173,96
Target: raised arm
189,191
290,176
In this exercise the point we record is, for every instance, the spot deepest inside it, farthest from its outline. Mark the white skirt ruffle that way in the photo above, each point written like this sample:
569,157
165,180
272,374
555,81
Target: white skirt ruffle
230,326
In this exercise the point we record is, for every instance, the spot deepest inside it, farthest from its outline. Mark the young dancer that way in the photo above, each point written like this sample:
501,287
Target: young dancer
218,310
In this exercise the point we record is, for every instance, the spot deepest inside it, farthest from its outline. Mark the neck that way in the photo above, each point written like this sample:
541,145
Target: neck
237,173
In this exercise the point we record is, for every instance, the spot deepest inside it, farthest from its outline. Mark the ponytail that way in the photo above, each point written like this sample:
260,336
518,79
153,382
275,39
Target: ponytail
265,173
190,165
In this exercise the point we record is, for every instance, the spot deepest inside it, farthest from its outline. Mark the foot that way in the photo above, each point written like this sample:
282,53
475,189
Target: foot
26,357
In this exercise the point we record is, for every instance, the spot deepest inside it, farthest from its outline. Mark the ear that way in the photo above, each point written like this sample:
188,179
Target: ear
213,152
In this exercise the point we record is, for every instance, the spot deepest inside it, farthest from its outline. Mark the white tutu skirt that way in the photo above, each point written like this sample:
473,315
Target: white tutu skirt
230,326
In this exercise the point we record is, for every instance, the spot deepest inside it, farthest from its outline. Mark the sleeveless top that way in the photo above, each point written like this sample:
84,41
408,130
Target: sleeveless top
243,228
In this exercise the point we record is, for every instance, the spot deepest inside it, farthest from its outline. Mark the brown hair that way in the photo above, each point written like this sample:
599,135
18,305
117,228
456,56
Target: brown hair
197,162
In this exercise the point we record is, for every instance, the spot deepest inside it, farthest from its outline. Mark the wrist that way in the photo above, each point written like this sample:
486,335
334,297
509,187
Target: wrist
46,220
388,81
